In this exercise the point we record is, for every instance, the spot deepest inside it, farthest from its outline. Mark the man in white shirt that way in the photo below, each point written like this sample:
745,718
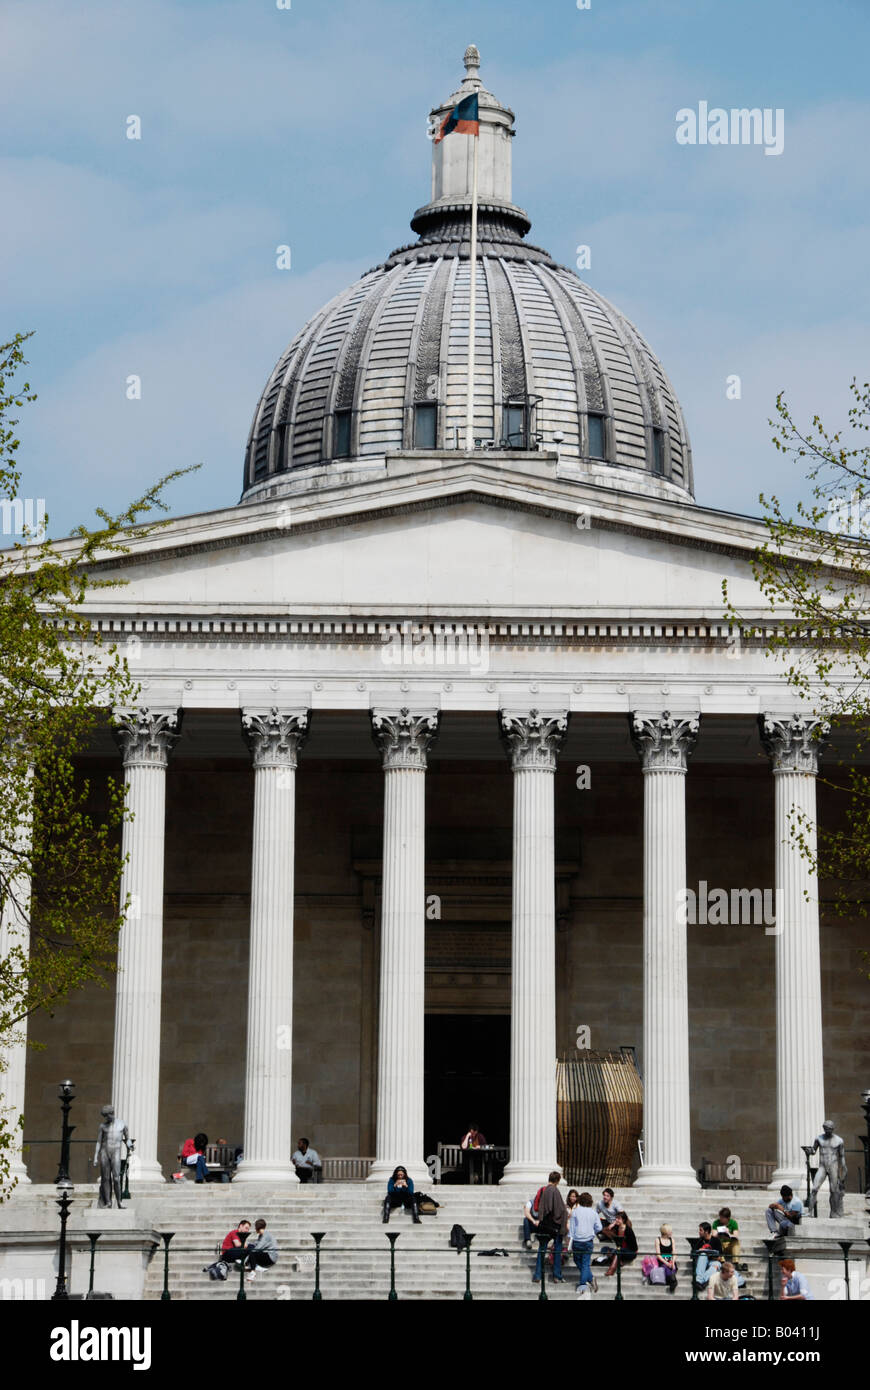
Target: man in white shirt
306,1161
783,1216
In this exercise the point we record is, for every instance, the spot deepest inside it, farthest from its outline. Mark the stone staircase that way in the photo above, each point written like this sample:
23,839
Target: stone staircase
355,1257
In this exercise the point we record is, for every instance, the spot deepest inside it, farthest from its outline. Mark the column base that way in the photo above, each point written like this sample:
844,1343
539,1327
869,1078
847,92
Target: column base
534,1172
795,1178
382,1170
19,1175
659,1175
264,1171
142,1173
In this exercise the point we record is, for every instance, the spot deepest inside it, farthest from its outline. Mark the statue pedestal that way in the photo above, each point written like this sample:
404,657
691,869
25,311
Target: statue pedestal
96,1218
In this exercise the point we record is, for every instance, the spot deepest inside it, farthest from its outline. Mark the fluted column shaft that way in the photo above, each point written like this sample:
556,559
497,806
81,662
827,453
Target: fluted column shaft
403,738
793,749
532,740
15,937
275,739
146,737
664,743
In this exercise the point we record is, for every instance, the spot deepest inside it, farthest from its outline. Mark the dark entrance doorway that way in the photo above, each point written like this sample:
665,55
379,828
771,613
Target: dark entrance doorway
467,1062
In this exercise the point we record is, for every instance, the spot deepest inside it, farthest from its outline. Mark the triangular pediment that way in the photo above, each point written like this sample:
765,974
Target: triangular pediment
466,540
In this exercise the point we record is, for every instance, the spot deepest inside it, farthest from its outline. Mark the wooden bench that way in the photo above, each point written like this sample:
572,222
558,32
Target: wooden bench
219,1158
346,1169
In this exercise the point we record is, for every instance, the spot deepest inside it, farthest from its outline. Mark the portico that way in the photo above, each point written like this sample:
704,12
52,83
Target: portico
572,923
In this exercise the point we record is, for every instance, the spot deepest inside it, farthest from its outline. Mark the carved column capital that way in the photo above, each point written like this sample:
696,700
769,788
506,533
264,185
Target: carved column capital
793,742
275,736
146,737
664,742
532,739
404,737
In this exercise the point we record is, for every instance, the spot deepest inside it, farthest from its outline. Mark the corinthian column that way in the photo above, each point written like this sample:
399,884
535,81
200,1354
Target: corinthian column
532,741
15,949
145,737
403,738
792,745
274,738
664,743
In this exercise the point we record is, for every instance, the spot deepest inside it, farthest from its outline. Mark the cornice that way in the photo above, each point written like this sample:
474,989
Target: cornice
406,485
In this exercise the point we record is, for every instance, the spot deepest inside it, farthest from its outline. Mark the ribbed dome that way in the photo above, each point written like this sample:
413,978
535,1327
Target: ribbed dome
384,365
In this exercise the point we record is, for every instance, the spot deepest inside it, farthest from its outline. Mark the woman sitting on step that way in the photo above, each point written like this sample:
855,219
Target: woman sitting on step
626,1242
666,1256
400,1193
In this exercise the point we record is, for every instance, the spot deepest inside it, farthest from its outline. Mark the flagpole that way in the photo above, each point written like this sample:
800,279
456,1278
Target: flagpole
472,306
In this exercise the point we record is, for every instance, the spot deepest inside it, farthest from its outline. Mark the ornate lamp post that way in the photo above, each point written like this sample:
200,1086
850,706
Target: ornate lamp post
770,1243
241,1296
166,1296
468,1295
846,1246
317,1237
619,1295
64,1202
392,1237
66,1094
93,1237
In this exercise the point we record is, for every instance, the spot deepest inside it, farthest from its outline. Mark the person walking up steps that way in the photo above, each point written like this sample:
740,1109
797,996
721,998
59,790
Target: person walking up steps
583,1227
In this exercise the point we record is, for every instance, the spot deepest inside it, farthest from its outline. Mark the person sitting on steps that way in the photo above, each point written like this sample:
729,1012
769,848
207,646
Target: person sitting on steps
193,1156
667,1257
400,1193
626,1242
264,1251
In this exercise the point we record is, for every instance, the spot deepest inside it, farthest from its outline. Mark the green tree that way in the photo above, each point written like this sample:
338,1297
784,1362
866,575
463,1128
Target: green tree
60,862
814,573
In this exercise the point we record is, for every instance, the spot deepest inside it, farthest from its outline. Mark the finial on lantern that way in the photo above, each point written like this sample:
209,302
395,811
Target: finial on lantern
471,59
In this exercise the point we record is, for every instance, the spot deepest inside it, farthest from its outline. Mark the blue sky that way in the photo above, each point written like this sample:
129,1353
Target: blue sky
307,126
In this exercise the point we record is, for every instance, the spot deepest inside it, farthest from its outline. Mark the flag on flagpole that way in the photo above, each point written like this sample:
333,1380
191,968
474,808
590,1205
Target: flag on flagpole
463,118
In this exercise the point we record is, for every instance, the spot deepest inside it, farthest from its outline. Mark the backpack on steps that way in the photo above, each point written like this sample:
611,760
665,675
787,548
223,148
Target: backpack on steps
458,1238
